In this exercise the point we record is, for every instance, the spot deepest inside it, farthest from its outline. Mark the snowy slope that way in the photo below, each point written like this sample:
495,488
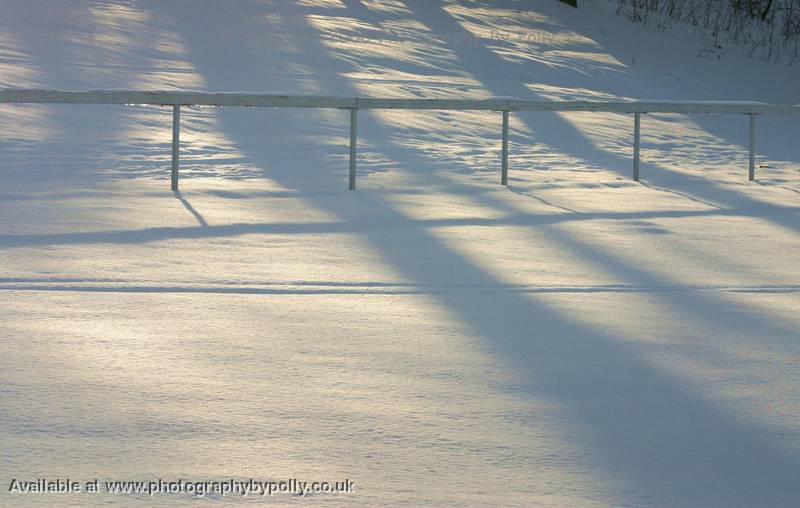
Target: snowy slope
573,339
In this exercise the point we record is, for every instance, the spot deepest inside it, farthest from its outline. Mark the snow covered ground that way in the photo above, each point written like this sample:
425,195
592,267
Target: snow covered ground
573,339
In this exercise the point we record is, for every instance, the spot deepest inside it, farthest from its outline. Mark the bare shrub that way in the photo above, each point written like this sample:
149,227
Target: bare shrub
770,28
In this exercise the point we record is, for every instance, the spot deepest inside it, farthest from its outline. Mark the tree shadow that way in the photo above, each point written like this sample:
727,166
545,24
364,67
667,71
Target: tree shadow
128,142
482,63
647,429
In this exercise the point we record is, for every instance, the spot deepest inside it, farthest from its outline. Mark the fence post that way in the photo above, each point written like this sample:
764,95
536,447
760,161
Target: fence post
353,133
176,137
752,172
636,129
504,173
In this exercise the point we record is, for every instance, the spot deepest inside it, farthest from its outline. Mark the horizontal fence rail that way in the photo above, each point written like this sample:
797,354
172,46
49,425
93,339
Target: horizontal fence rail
176,99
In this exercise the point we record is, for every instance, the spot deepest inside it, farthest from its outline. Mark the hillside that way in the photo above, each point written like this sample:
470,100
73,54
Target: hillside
574,339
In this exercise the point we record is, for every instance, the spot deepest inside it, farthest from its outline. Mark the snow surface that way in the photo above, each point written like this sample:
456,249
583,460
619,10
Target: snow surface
573,339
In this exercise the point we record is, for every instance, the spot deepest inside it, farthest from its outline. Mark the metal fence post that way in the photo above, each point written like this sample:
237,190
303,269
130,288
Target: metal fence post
353,133
636,129
504,174
752,172
176,137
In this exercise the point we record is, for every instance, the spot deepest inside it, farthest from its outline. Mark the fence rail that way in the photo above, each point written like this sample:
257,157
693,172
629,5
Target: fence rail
176,99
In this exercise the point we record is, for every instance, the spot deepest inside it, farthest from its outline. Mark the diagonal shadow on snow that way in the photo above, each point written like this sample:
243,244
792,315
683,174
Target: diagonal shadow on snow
656,437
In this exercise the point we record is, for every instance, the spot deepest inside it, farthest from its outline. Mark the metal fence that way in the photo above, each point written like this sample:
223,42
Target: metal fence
176,99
